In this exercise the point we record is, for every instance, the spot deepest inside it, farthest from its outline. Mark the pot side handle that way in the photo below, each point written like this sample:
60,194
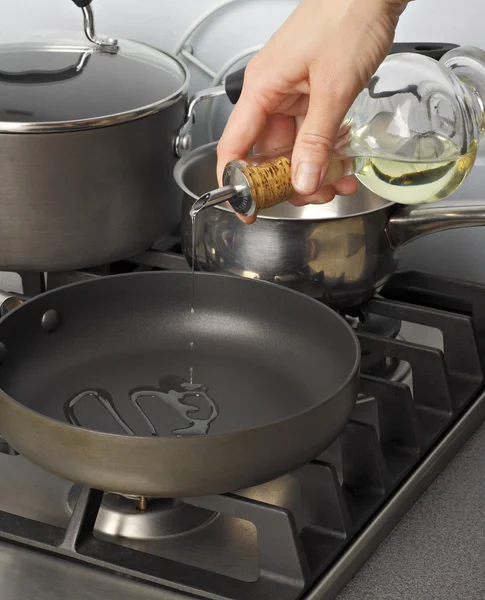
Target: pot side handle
234,81
408,223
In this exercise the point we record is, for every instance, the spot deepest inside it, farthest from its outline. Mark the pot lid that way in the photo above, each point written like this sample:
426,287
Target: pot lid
48,87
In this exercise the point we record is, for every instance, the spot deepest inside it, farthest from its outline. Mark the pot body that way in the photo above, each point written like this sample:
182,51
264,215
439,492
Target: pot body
76,199
342,260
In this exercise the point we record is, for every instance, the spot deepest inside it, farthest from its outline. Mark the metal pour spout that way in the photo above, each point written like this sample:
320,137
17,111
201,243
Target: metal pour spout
228,193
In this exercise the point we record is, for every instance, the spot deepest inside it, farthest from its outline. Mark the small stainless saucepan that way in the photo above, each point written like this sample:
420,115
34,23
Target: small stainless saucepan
342,252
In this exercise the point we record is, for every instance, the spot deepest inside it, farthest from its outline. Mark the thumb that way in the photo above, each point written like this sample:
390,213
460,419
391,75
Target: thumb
316,137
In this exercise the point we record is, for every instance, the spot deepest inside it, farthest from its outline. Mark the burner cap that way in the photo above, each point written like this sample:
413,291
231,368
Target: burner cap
375,324
151,518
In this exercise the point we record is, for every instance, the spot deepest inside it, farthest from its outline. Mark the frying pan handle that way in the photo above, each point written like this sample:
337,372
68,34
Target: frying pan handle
234,81
34,77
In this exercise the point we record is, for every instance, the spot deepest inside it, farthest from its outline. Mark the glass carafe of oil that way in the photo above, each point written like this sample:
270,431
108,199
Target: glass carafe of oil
411,136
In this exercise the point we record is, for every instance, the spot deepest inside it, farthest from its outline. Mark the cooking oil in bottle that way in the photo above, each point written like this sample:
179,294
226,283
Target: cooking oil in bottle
417,179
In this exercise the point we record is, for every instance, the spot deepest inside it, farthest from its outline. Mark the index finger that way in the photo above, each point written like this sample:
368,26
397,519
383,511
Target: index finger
242,131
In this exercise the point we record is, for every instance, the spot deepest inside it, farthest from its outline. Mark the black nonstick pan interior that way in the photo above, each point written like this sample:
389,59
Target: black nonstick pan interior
116,356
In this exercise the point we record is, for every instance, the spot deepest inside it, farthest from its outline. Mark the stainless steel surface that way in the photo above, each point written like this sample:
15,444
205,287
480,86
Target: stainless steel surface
400,503
342,252
453,253
28,574
108,44
138,518
214,198
413,222
183,139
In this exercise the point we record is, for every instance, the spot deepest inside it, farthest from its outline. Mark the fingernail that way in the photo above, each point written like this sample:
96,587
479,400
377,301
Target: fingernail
307,179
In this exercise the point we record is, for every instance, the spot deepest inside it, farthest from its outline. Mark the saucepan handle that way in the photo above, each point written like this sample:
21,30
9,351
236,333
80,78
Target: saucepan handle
436,50
234,84
408,223
234,81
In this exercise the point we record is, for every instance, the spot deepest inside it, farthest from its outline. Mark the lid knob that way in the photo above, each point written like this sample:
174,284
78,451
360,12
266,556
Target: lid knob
107,44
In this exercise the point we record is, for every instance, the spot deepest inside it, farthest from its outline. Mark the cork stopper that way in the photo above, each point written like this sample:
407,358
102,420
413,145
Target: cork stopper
259,186
270,182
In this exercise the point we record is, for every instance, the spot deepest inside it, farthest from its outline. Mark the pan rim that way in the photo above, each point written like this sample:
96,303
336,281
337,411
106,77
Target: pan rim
197,439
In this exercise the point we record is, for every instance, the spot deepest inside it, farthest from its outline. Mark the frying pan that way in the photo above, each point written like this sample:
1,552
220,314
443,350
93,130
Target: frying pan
95,382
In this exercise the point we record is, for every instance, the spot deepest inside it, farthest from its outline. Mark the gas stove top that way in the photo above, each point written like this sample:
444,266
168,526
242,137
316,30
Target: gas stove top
306,534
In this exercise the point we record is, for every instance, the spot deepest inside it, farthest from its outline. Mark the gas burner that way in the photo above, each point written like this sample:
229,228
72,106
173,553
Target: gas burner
360,320
140,518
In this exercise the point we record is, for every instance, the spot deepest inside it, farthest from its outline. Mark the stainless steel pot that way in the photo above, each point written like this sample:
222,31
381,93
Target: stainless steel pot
89,135
342,252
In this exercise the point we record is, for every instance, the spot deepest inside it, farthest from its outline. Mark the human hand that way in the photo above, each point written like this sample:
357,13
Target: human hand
299,87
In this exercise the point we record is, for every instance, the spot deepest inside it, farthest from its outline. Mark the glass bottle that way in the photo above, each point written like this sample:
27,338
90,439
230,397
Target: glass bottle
411,136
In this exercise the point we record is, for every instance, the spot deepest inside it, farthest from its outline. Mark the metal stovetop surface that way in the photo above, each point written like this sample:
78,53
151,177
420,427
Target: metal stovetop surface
29,575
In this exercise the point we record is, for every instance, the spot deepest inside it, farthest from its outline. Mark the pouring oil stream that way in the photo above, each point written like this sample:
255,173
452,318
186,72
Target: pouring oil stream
210,199
192,308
